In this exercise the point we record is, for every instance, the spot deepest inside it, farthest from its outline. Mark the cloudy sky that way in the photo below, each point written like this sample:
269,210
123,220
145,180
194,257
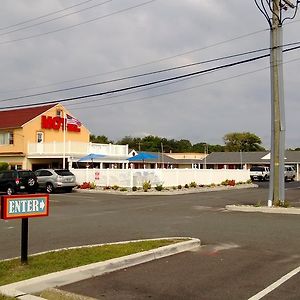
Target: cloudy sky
59,45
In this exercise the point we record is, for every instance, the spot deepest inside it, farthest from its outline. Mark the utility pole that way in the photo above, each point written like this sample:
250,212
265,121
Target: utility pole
273,10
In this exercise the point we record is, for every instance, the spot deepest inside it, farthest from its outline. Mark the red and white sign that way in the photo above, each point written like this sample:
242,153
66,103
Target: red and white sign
57,123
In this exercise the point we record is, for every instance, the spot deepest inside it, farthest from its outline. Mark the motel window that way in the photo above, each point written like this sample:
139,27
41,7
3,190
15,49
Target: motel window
6,138
59,113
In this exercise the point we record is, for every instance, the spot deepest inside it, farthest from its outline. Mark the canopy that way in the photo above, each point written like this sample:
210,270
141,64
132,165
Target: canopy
90,157
142,156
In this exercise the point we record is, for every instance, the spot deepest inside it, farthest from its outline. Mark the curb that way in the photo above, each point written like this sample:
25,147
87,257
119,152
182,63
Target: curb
23,289
264,209
169,192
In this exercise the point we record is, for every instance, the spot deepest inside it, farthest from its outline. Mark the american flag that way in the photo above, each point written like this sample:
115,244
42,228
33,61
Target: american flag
72,120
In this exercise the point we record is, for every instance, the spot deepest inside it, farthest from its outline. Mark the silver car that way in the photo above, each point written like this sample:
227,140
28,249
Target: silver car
55,179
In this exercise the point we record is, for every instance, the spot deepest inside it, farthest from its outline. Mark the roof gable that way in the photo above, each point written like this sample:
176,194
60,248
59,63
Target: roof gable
15,118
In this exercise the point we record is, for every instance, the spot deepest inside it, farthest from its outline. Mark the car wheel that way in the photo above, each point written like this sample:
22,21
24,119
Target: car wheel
49,188
31,182
10,190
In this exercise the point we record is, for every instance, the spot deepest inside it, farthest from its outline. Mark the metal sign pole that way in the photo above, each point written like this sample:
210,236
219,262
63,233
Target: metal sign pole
24,241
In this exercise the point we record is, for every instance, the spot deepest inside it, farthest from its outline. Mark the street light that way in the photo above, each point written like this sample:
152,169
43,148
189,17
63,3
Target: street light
276,12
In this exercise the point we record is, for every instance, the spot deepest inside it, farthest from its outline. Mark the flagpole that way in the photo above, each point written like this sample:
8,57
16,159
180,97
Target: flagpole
64,145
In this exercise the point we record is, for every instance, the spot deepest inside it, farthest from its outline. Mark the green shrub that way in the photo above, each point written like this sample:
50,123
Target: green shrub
174,187
123,189
92,185
279,203
225,182
115,187
193,184
186,186
146,185
179,187
249,181
159,187
134,188
3,166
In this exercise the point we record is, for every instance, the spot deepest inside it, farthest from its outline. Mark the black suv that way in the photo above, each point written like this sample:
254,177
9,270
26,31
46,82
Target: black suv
15,181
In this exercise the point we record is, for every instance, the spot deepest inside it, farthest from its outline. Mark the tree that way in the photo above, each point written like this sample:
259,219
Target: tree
101,139
242,141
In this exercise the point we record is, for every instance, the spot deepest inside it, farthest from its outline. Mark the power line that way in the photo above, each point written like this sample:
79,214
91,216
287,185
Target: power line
145,74
139,75
54,19
142,85
144,64
171,92
44,16
76,25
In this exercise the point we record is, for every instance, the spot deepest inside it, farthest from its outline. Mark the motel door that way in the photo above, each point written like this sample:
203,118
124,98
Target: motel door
40,141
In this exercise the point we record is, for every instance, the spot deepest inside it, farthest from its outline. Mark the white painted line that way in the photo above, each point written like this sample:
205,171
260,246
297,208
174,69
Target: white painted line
275,285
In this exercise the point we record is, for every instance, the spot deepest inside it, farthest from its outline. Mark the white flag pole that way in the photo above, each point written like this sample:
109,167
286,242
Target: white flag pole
64,144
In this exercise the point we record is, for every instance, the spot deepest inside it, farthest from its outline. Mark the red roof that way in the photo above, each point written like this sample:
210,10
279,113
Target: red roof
15,118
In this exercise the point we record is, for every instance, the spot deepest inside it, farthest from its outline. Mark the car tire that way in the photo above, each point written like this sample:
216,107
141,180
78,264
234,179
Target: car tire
68,189
49,188
10,190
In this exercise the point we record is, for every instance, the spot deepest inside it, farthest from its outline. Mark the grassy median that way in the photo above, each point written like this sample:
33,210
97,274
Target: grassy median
12,270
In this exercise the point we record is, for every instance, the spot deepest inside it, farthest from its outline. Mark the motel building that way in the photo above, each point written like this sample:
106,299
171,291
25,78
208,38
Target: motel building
35,137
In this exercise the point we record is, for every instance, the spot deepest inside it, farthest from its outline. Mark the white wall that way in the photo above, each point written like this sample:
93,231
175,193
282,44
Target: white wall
166,177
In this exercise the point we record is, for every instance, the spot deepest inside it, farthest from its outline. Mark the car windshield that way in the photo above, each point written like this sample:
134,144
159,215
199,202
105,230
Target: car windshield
63,172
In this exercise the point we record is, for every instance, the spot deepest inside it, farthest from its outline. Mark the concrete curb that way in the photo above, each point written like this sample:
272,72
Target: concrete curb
23,289
169,192
264,209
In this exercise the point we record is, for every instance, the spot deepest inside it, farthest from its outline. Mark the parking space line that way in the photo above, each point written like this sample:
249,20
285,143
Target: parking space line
275,285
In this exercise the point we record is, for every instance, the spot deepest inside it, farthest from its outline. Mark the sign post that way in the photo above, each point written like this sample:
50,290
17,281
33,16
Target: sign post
24,207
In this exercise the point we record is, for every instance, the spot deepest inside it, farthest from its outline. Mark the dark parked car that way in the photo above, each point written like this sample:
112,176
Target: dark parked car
14,181
54,179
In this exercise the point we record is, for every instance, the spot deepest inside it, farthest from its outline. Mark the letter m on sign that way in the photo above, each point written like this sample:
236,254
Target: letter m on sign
47,122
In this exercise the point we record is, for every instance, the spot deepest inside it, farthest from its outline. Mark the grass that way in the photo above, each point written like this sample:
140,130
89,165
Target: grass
12,270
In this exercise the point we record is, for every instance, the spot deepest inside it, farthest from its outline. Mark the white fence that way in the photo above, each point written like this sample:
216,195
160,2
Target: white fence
166,177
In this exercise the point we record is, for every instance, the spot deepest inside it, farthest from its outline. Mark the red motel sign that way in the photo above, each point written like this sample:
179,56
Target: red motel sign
57,123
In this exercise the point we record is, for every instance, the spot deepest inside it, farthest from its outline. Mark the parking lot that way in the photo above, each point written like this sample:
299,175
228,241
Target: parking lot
241,253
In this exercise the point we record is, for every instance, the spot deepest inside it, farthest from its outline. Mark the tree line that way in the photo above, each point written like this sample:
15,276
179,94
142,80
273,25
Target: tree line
233,142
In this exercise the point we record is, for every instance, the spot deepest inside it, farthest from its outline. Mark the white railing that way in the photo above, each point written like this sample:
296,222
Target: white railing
166,177
76,148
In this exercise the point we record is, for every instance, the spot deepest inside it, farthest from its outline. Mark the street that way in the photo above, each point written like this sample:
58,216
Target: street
242,253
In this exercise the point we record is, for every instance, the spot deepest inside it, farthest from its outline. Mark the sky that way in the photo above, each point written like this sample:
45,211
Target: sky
59,45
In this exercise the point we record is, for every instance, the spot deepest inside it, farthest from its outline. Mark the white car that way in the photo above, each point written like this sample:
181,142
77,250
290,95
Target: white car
260,173
289,173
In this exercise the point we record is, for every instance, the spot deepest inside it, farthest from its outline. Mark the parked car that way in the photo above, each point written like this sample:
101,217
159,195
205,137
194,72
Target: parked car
14,181
289,173
55,179
260,173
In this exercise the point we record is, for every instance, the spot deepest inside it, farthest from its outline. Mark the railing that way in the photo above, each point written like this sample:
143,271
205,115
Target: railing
76,148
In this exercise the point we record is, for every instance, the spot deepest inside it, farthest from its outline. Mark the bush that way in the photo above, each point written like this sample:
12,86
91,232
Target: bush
179,187
193,184
134,188
123,189
146,185
285,204
159,187
115,187
85,185
3,166
174,187
92,185
186,186
106,187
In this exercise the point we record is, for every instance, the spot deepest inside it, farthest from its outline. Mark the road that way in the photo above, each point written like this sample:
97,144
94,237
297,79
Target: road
242,253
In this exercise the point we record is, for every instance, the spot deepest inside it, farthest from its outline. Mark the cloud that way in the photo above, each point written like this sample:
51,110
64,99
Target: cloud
111,46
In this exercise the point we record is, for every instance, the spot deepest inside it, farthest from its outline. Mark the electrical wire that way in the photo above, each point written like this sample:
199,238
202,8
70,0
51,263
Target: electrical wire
54,19
145,74
44,16
139,75
144,64
76,25
144,84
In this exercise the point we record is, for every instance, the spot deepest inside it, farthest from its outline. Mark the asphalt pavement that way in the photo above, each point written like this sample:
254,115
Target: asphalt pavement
241,253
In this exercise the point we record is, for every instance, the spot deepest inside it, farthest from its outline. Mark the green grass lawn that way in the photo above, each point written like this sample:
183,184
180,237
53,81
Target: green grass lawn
12,270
